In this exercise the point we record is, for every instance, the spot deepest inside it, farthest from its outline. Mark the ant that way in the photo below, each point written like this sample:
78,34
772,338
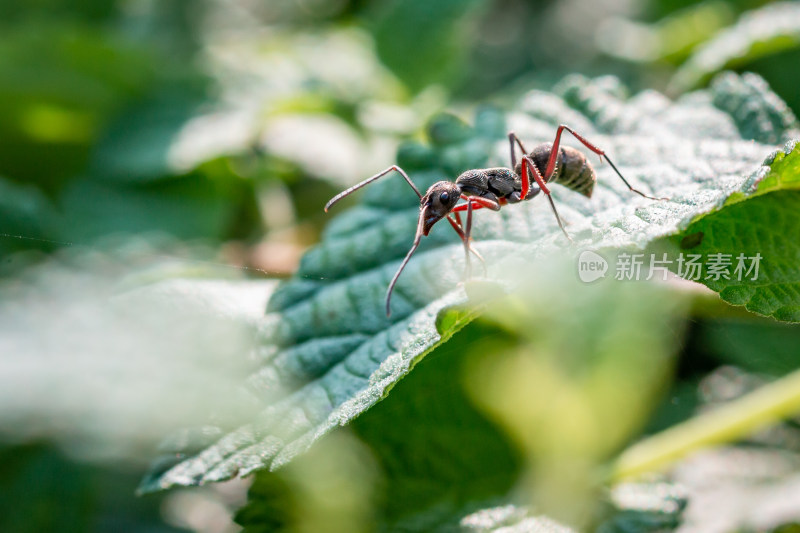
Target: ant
492,188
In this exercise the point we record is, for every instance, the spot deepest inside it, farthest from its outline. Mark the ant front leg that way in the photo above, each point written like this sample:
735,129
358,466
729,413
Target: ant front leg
528,166
457,226
551,162
473,203
467,233
367,181
477,203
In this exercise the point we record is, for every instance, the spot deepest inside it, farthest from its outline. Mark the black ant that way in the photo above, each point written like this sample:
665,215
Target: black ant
493,188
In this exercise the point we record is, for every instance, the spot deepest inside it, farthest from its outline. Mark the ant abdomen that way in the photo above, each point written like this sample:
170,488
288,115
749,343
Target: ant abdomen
572,169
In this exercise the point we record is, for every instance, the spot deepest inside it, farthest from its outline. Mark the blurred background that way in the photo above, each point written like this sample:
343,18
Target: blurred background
227,123
144,139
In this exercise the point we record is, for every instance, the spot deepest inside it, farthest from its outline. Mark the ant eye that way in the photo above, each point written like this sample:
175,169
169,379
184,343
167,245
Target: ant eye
444,197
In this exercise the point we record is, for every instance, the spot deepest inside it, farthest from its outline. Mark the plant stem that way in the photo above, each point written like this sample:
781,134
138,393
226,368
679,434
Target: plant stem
735,420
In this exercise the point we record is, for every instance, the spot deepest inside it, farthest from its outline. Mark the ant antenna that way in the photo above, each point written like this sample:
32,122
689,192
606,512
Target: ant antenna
367,181
417,239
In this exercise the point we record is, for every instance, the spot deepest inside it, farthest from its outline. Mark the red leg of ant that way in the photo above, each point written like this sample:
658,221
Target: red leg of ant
528,166
467,244
512,138
551,162
463,207
526,184
478,203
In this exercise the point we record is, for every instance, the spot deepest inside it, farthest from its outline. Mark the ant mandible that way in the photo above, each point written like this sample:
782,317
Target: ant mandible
493,188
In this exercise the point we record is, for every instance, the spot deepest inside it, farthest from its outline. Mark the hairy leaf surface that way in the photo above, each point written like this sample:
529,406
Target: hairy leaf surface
328,353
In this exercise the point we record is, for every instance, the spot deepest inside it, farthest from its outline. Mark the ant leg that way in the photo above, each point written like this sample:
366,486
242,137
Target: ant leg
467,244
473,203
478,203
467,231
551,162
528,166
512,138
370,180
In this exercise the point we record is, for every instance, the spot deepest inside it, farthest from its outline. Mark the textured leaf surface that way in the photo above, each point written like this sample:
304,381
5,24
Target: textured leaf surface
329,353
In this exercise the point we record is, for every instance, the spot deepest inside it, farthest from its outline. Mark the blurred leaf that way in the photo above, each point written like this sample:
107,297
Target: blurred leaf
671,39
94,10
330,489
741,488
26,218
136,145
71,65
58,83
435,31
44,490
56,493
209,203
103,316
63,80
418,436
758,112
588,367
761,32
508,519
765,347
326,332
760,346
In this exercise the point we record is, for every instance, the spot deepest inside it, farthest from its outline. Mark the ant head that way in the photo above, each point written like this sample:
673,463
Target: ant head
438,201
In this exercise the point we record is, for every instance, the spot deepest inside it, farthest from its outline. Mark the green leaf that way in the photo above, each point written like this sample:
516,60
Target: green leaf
436,31
764,222
135,147
325,336
758,33
25,218
440,454
208,203
431,411
45,490
765,347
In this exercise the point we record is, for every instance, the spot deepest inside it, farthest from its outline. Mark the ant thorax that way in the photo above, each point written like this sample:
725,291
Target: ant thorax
494,183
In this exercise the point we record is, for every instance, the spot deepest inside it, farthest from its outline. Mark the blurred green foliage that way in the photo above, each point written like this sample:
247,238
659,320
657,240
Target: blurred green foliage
44,490
590,364
91,98
94,95
102,141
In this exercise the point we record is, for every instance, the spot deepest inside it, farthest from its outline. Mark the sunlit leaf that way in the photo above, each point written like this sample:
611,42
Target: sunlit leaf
761,32
326,335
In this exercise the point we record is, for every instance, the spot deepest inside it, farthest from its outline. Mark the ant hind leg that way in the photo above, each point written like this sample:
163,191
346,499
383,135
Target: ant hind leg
528,166
551,162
